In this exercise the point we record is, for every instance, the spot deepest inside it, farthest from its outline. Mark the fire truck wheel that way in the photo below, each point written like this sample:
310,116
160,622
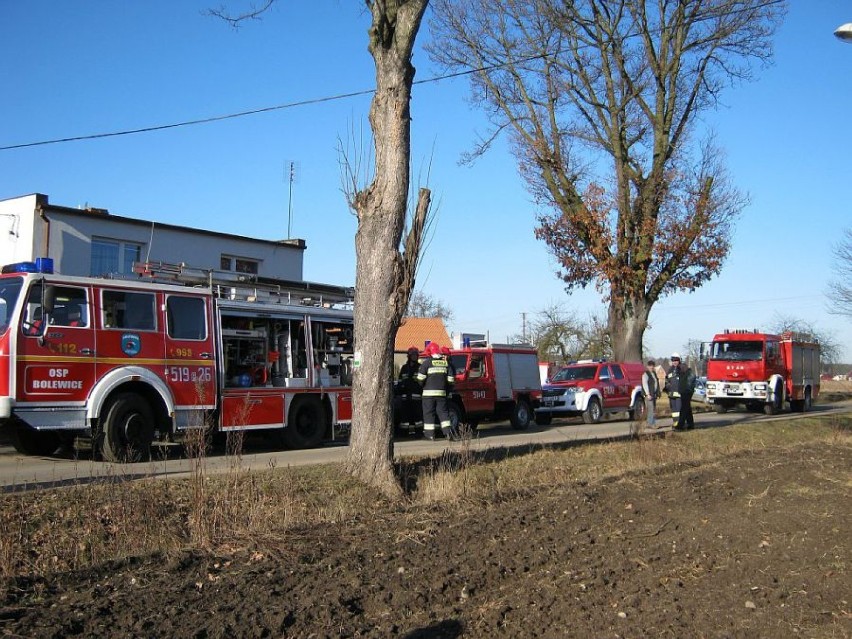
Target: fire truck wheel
521,415
807,402
543,419
127,430
307,424
720,409
637,411
29,441
774,407
593,413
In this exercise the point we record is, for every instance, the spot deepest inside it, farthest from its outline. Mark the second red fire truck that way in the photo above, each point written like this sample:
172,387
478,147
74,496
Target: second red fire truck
118,364
762,371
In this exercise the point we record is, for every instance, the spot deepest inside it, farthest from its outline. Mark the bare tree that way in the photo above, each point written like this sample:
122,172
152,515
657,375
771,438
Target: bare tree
560,336
600,99
840,287
423,305
828,344
386,263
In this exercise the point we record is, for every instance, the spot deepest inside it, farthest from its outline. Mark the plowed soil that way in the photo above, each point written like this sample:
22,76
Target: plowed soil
757,546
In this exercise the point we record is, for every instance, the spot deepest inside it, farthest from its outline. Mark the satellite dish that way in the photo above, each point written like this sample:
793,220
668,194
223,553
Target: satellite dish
844,32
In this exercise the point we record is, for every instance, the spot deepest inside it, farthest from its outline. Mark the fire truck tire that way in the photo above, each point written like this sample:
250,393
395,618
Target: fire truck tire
543,419
774,407
127,429
807,402
521,416
307,424
593,412
29,441
720,409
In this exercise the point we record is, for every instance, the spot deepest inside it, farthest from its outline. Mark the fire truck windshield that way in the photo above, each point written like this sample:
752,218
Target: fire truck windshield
751,350
571,373
10,289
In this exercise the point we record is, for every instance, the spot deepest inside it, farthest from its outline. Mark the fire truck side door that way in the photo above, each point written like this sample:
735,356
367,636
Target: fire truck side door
621,386
130,334
607,385
189,354
479,394
56,362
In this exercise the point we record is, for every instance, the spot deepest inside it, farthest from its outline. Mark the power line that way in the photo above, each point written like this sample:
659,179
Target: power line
300,103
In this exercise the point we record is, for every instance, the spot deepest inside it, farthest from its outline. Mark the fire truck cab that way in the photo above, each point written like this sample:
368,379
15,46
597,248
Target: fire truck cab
117,364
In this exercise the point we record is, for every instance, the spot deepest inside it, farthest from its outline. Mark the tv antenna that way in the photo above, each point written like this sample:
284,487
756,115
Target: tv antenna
291,174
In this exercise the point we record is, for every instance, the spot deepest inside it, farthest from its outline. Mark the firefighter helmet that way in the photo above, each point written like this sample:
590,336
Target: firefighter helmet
413,350
432,348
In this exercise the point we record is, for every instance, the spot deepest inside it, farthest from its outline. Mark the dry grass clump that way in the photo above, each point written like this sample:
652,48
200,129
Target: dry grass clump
488,479
68,528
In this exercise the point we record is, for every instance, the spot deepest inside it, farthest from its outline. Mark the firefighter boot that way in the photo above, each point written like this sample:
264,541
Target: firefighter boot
429,433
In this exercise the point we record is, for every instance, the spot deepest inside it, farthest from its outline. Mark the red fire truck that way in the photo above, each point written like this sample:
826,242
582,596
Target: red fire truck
117,364
494,382
762,371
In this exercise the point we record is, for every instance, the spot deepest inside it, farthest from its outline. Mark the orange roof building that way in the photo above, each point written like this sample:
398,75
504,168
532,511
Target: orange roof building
416,331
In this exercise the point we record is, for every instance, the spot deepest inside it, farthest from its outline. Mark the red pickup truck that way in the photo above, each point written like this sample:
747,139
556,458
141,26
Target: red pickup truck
592,389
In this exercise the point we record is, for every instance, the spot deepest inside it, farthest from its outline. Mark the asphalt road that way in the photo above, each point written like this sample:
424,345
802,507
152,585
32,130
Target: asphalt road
19,472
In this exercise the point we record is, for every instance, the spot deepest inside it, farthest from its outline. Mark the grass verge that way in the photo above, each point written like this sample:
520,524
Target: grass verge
61,529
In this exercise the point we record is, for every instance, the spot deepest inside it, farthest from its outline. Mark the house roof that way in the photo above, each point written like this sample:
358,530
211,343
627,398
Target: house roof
43,204
416,331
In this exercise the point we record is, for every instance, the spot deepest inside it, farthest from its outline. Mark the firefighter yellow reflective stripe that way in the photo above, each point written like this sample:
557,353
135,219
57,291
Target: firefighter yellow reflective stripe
434,393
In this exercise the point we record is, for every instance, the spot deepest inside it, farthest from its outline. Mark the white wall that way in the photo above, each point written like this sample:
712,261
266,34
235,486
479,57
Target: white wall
17,230
71,231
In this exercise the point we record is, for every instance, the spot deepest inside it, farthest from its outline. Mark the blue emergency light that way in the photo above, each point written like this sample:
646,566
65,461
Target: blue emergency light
41,265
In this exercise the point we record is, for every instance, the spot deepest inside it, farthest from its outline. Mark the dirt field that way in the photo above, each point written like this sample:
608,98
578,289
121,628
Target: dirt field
754,545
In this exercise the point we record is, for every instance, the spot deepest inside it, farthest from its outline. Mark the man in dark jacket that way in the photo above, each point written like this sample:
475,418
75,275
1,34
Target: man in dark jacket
680,385
409,387
437,376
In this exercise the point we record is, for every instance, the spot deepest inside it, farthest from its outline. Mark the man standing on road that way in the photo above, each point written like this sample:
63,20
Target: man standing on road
437,376
680,385
651,389
409,386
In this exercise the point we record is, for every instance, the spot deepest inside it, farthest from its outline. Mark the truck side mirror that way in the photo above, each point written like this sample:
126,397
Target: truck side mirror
48,303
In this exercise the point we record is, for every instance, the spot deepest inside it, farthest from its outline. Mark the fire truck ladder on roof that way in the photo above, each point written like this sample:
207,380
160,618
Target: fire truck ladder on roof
248,286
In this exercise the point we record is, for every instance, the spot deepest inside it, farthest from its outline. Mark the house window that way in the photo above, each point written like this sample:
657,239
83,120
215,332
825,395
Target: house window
239,264
113,256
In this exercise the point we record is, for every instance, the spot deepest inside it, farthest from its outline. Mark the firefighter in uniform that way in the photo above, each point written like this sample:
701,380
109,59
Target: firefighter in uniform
411,409
680,384
437,376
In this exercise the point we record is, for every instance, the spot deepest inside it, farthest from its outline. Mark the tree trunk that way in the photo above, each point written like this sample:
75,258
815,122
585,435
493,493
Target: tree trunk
381,275
628,319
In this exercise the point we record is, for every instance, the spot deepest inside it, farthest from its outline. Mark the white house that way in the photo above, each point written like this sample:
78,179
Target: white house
95,242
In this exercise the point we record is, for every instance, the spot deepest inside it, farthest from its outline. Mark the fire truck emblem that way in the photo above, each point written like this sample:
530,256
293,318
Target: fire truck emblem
130,344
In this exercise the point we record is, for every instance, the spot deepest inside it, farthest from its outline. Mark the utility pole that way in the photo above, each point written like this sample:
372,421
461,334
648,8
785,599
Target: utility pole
290,173
524,327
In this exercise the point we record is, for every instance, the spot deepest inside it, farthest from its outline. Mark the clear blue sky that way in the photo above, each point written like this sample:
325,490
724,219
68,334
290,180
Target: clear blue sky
76,68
